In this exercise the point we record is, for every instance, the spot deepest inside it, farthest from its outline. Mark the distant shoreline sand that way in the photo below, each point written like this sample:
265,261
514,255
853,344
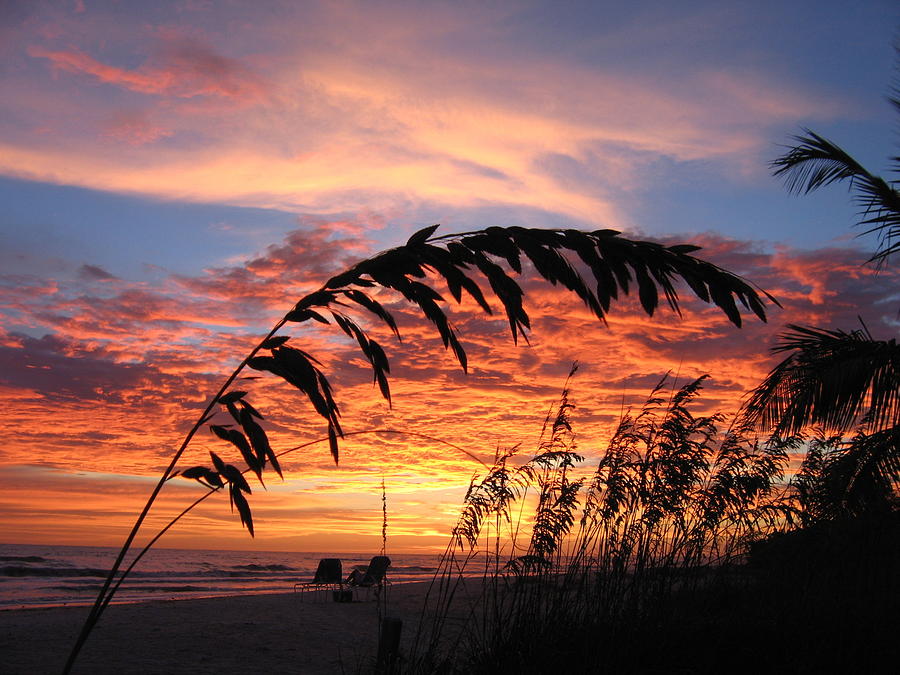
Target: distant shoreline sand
265,633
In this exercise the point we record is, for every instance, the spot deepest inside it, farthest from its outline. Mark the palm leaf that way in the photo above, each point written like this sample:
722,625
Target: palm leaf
831,379
868,470
840,478
816,162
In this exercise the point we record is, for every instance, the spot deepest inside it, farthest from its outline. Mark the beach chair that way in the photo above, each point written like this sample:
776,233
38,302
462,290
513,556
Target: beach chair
329,577
373,576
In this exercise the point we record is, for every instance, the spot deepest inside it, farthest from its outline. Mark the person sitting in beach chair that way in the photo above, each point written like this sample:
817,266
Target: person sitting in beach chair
370,576
329,576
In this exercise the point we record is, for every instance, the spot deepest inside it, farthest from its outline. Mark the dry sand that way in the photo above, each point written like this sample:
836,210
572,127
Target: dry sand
246,634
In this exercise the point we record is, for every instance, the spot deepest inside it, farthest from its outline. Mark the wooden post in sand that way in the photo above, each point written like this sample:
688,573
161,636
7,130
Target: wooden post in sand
388,644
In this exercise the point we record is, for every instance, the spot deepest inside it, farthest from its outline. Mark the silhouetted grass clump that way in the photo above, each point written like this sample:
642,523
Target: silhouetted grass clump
642,566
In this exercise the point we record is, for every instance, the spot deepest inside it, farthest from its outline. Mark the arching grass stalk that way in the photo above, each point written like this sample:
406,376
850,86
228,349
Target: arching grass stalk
108,590
595,266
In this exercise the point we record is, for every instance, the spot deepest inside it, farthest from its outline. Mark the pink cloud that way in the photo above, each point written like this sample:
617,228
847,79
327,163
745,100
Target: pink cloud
135,128
77,62
185,69
368,125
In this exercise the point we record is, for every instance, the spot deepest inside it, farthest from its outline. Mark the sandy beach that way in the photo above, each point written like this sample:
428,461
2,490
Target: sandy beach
244,634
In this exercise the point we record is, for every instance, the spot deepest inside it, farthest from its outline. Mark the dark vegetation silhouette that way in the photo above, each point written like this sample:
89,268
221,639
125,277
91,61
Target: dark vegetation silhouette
684,551
592,573
596,266
835,381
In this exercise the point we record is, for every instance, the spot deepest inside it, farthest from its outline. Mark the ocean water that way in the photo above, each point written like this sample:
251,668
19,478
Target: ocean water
47,576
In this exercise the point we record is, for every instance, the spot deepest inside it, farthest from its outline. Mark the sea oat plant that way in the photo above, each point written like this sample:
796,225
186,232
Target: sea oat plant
672,505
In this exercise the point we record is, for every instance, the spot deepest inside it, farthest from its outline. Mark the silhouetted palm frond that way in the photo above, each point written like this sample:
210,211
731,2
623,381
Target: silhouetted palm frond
815,162
831,379
840,478
869,470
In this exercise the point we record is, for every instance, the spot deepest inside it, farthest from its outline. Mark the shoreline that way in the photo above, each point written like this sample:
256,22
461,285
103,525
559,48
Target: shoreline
264,632
79,604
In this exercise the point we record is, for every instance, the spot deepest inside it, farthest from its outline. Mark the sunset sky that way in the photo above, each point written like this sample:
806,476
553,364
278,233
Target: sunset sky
175,174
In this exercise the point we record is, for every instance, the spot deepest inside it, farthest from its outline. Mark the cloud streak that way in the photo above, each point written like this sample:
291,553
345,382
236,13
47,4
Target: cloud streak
185,69
335,117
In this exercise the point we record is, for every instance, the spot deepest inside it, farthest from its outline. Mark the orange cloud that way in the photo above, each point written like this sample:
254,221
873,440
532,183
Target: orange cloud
129,365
